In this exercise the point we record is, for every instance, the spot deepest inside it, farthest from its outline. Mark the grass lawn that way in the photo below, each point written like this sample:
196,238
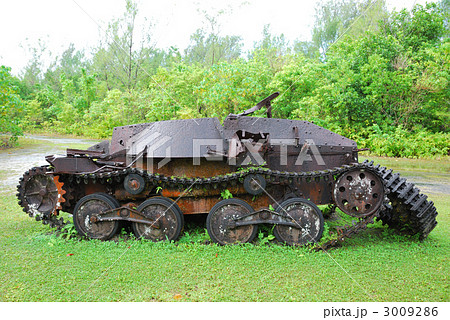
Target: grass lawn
377,265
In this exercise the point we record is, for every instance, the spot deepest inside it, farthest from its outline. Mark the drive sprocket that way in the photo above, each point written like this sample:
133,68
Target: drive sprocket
41,194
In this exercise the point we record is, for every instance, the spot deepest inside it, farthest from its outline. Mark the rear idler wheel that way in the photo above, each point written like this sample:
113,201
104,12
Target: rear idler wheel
94,204
359,193
167,220
220,222
308,220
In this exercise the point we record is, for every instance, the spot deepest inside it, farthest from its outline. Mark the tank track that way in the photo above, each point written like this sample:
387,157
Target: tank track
409,210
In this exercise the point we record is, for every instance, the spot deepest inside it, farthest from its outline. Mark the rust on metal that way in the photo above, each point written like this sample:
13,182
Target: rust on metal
126,212
359,193
237,172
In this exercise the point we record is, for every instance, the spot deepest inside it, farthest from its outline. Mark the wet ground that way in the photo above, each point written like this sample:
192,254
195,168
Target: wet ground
31,153
430,176
430,184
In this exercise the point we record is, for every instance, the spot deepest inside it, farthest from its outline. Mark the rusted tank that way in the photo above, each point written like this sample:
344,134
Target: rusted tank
243,173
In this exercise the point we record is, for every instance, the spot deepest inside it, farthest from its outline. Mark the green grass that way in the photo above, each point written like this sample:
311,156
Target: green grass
27,142
35,265
440,165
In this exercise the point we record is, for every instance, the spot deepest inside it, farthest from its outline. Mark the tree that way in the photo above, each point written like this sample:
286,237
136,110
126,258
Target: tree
422,26
334,18
396,77
120,61
274,48
10,106
32,74
445,6
209,47
306,48
70,64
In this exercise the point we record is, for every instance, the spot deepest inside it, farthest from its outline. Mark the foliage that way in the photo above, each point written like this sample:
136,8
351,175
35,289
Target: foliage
391,79
274,50
416,28
352,17
68,232
379,79
226,194
121,60
403,143
209,47
10,107
32,73
265,234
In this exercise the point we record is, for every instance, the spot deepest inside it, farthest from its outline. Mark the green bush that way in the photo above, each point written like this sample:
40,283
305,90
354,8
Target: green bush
403,143
10,108
389,89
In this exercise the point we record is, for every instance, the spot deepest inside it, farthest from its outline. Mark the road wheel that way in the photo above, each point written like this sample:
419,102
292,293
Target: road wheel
220,222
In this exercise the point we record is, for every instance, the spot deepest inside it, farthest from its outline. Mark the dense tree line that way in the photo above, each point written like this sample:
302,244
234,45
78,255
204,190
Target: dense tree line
382,78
